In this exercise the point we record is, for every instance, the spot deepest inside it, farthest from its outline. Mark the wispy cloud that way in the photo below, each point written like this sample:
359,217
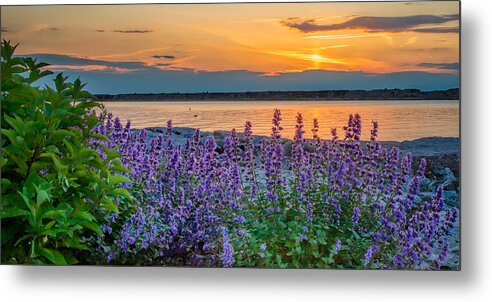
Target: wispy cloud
47,27
133,31
336,37
437,30
377,24
337,46
450,66
88,68
163,57
125,31
305,56
60,62
163,64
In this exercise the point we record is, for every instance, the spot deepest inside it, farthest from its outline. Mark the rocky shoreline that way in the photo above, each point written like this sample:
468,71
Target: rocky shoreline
442,155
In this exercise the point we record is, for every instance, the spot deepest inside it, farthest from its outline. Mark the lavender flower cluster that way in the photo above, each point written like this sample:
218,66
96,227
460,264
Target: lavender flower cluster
331,203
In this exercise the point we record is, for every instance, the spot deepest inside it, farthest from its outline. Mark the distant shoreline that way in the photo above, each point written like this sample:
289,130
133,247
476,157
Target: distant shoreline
335,95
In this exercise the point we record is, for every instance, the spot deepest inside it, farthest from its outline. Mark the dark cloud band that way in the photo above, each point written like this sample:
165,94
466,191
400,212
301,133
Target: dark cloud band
60,60
133,31
451,66
163,57
377,24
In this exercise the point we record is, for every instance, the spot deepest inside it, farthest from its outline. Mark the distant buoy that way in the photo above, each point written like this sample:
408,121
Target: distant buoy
196,115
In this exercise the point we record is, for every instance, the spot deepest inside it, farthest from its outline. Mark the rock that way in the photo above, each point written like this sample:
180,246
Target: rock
424,183
220,143
184,132
284,140
436,163
446,179
426,196
221,134
219,150
447,174
156,129
451,198
257,141
287,148
449,180
432,186
431,146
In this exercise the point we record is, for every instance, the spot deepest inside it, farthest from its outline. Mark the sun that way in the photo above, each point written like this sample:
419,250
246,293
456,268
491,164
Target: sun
318,59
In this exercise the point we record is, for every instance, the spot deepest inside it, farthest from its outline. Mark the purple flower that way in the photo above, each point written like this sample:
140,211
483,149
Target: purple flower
227,250
338,247
189,198
169,127
374,131
355,216
368,256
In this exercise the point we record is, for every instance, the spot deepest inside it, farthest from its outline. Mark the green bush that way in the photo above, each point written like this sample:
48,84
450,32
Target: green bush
52,181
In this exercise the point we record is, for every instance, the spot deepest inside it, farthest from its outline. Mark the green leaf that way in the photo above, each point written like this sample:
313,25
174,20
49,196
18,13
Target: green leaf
91,226
110,204
14,213
121,192
42,197
53,255
117,179
278,258
50,225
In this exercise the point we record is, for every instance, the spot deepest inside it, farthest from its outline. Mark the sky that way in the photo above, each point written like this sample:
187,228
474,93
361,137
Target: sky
243,47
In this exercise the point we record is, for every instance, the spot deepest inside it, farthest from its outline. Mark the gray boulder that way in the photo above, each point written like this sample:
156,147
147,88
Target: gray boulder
451,198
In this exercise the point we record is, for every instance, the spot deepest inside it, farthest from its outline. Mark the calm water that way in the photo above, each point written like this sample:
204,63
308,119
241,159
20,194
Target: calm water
398,120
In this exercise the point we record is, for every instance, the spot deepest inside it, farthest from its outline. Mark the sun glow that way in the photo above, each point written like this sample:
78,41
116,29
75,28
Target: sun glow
235,37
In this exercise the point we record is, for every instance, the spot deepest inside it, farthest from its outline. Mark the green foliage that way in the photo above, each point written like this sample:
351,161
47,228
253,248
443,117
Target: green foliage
286,239
52,181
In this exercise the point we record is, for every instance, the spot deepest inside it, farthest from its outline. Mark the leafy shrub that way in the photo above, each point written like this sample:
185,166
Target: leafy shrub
51,180
331,204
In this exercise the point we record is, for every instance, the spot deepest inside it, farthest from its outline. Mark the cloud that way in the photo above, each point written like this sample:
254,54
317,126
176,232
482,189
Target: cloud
133,31
65,62
57,68
137,77
163,57
163,64
100,30
438,30
46,28
377,24
450,66
3,29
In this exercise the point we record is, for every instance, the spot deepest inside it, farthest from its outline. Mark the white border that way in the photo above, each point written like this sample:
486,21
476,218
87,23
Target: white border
473,283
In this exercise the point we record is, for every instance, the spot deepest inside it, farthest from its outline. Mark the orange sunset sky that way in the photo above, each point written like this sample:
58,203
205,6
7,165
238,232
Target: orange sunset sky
241,43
